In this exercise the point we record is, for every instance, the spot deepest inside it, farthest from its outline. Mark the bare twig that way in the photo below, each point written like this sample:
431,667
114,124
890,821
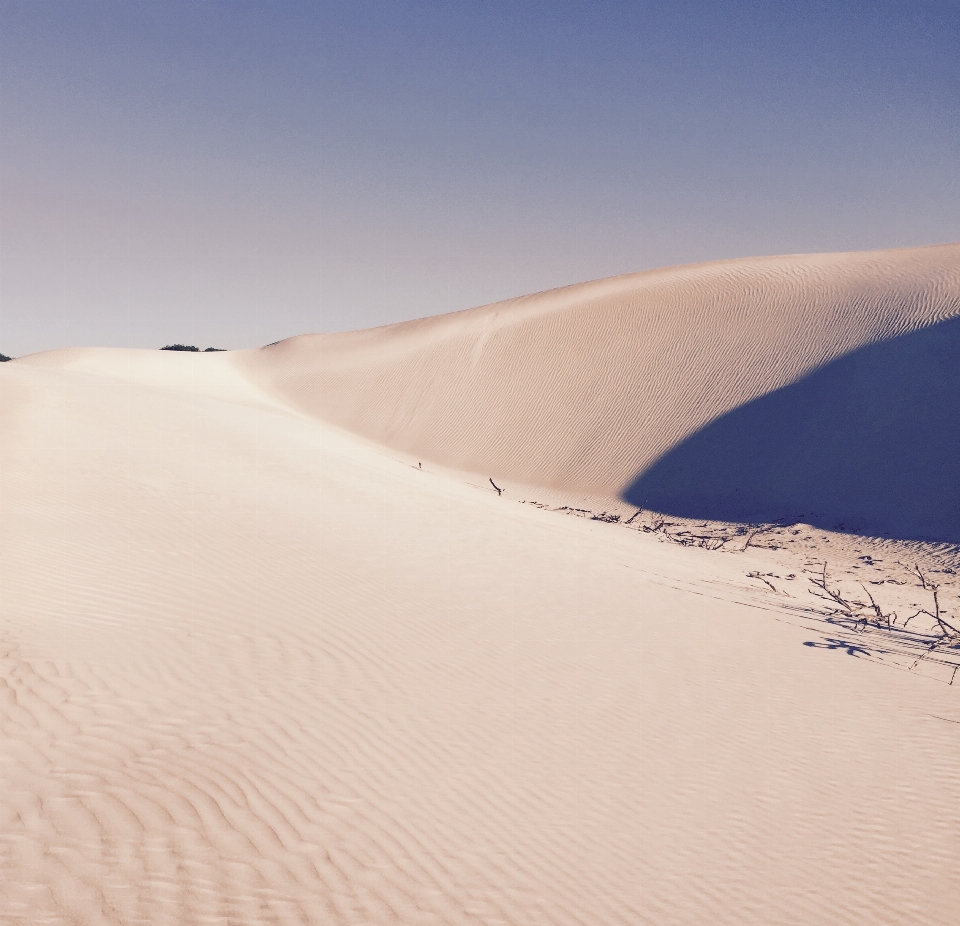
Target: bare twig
881,619
499,490
714,543
848,609
767,582
948,630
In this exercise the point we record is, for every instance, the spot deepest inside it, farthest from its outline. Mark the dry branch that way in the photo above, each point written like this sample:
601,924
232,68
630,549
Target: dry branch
851,609
766,581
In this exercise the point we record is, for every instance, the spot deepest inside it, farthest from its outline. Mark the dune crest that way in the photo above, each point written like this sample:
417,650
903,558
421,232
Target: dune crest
586,387
256,670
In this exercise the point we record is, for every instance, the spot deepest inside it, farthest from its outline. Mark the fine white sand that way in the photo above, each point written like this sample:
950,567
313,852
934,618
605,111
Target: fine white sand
584,387
257,669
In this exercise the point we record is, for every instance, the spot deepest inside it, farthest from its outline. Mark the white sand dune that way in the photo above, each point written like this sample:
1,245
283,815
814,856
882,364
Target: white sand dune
255,669
584,386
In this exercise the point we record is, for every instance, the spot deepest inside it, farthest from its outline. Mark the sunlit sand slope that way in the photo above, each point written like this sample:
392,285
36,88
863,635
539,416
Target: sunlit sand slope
586,387
255,671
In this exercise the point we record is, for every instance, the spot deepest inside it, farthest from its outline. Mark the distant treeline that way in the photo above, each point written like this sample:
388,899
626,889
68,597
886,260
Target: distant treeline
4,358
189,347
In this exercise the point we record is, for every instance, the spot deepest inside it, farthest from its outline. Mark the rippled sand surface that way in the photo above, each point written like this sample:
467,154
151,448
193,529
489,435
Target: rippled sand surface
256,669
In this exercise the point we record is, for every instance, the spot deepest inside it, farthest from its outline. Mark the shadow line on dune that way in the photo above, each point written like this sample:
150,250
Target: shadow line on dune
869,443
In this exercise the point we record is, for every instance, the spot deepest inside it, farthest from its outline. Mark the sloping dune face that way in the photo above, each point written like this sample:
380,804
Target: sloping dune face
869,443
587,387
256,671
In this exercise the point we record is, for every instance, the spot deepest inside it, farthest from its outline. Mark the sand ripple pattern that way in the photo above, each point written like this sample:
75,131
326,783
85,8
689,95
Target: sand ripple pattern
253,670
585,387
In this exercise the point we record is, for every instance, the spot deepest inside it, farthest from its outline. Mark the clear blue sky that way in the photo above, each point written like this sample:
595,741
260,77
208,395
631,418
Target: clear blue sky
231,173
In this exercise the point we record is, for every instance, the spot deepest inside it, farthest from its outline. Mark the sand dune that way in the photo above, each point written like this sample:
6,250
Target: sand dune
589,386
256,669
869,442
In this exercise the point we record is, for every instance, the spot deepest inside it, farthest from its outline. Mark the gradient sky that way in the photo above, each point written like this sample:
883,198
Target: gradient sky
232,173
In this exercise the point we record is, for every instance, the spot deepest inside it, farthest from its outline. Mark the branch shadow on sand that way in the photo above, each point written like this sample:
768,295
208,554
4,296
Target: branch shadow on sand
869,443
928,653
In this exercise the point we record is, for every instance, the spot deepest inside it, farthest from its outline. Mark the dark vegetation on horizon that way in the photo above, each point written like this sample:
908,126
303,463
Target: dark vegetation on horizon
4,358
192,348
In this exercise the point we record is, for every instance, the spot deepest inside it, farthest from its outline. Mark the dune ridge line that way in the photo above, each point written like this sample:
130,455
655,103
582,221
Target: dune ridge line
586,386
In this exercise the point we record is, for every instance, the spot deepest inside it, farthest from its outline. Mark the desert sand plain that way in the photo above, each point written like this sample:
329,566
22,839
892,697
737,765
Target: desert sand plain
516,615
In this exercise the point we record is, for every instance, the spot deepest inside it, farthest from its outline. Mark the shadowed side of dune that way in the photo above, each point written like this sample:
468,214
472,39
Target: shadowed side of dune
583,387
869,443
